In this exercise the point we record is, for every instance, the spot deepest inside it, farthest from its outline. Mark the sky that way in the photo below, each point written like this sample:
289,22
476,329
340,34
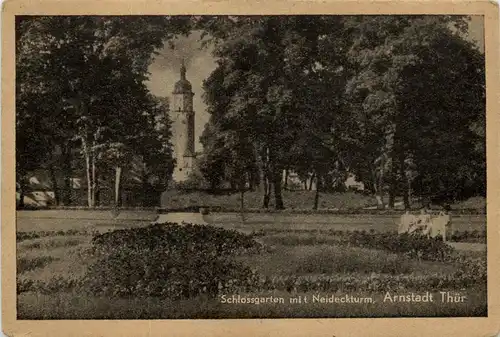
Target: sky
165,70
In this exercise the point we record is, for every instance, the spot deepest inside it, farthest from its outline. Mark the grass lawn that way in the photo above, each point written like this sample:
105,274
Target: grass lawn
55,220
253,200
303,200
47,266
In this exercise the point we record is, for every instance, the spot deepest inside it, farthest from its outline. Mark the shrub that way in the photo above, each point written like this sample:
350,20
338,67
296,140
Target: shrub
55,285
472,269
26,264
22,236
169,260
53,243
413,246
195,181
378,283
345,260
466,236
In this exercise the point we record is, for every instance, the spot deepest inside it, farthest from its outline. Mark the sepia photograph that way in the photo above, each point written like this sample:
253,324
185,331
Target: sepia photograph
213,167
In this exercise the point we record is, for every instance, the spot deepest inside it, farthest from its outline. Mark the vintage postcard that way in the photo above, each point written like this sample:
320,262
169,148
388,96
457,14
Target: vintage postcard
261,169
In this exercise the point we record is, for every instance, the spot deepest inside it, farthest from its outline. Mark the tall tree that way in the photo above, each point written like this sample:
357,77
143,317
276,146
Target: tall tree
385,51
263,63
323,95
94,68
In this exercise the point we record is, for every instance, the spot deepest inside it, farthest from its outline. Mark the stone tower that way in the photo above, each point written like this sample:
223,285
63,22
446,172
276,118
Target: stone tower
183,127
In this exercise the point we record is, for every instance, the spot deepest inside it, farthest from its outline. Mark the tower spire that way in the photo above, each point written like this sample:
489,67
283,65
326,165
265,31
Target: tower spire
183,70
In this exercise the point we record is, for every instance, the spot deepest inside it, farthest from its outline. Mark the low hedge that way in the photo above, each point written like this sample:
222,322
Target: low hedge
458,236
414,246
344,211
54,285
469,236
169,260
409,245
22,236
471,273
224,209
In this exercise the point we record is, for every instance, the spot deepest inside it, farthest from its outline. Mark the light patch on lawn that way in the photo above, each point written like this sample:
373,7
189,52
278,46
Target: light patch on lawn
333,259
53,242
64,256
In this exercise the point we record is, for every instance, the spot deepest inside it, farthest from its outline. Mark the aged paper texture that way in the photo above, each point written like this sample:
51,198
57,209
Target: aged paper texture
273,168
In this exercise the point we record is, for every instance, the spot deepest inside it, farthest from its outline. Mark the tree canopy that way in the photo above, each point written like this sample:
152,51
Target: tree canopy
81,84
396,100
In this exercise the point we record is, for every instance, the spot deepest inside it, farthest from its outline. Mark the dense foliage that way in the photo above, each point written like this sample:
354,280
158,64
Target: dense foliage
399,101
378,96
412,246
473,273
82,105
169,260
415,246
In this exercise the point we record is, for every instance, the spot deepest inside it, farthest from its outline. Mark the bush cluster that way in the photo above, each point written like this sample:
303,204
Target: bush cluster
471,268
469,236
26,264
458,236
22,236
414,246
473,274
54,285
169,260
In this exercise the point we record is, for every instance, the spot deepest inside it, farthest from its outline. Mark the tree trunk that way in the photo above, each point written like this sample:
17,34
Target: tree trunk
21,195
118,177
54,183
379,190
406,197
277,177
392,187
251,181
265,179
392,197
88,171
144,197
213,186
94,173
242,201
313,176
316,195
265,184
380,196
67,172
144,190
267,192
406,182
97,191
369,186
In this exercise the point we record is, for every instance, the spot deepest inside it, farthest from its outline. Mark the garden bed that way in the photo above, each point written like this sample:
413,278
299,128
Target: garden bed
168,272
